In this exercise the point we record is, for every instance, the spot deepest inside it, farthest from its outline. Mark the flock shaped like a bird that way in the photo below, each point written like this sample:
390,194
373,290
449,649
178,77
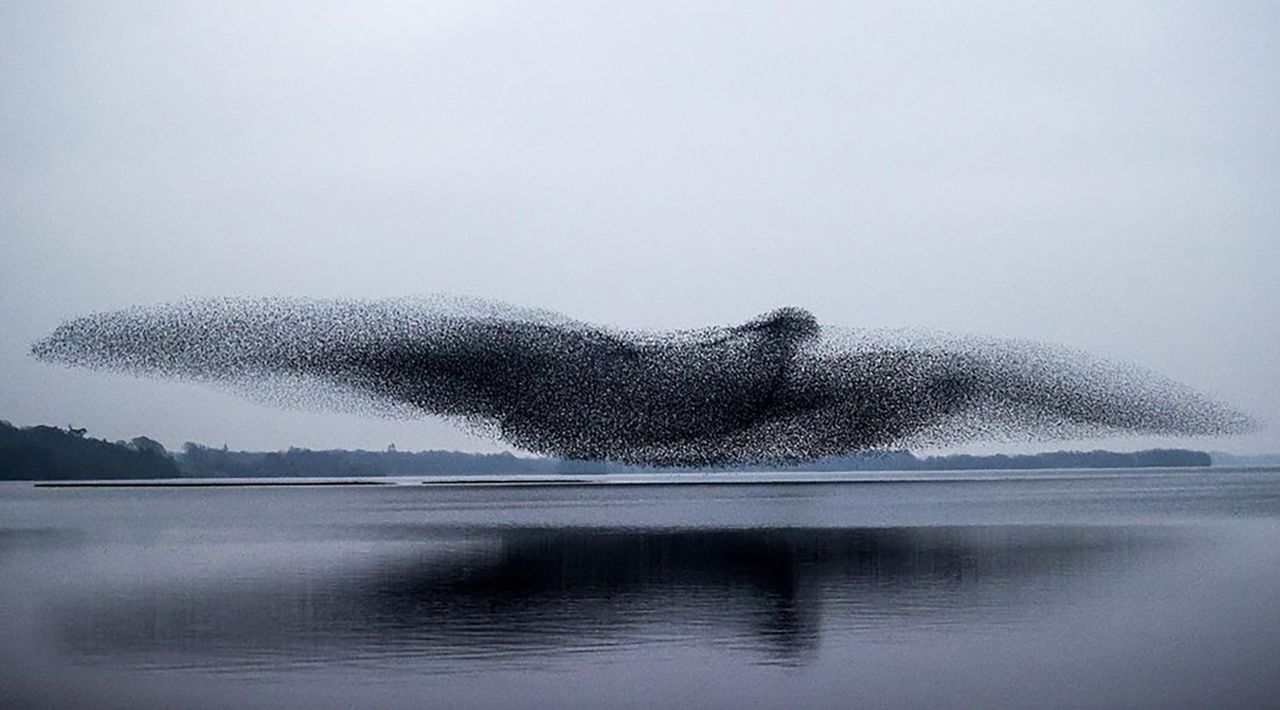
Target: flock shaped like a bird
779,387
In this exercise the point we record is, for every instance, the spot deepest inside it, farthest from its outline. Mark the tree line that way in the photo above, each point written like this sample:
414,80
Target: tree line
52,453
42,453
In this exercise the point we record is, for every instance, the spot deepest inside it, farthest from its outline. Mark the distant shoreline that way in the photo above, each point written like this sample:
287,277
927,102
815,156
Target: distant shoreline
127,483
45,453
774,478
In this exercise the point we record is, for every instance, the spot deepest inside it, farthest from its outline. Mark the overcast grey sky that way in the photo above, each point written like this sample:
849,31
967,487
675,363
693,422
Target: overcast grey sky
1103,175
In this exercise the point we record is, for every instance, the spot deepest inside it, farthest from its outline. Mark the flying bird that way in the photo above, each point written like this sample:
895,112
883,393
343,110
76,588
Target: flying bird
779,387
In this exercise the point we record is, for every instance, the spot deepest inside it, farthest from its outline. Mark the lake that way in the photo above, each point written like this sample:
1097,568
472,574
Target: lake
1072,589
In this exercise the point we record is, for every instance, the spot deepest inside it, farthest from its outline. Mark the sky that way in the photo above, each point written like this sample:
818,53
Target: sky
1102,175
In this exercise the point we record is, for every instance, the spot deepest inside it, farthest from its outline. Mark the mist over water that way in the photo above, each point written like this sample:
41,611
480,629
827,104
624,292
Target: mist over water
1050,589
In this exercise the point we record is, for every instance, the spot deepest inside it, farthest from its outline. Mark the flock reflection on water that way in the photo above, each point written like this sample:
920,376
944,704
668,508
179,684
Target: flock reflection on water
452,599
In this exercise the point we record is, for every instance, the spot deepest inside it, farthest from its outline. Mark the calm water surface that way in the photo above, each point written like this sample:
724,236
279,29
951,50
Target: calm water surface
1058,589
